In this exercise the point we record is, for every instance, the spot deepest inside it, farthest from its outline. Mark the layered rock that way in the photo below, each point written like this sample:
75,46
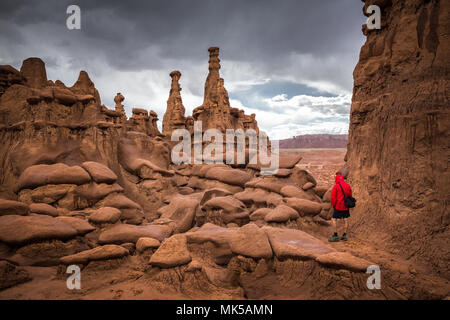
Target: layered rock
399,142
94,186
8,77
61,128
145,122
174,117
119,108
33,69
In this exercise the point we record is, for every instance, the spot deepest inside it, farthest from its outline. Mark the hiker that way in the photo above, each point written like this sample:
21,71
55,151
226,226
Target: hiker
340,191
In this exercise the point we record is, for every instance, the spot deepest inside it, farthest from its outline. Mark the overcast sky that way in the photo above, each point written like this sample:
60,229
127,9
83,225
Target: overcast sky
288,61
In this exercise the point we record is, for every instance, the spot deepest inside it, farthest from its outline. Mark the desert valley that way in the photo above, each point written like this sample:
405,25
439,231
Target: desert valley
82,184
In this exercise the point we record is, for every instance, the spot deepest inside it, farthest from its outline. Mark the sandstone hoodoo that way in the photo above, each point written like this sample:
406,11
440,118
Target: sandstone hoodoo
174,117
85,185
214,113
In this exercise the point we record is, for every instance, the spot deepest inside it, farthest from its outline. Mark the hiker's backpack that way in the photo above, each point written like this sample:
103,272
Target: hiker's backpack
349,201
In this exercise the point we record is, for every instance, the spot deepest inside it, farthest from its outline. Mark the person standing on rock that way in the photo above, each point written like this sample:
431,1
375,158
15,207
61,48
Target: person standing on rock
340,191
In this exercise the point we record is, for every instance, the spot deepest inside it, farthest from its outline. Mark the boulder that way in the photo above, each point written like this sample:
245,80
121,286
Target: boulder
105,252
173,252
344,260
120,201
301,176
327,196
94,192
320,190
251,241
281,213
283,173
211,184
229,204
99,172
224,210
131,247
230,176
292,191
212,193
33,228
105,215
148,170
210,233
58,173
132,216
50,193
180,179
147,243
291,243
185,190
81,225
308,186
259,197
304,207
260,214
217,236
268,184
43,208
181,210
289,161
121,233
8,207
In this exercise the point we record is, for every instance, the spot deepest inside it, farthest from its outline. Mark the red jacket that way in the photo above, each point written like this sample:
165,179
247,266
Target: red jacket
337,197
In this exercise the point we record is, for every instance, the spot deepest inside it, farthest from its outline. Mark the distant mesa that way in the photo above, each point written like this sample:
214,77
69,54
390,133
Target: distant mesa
315,141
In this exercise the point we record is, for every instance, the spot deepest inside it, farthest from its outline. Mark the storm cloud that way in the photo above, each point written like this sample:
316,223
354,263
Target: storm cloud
288,61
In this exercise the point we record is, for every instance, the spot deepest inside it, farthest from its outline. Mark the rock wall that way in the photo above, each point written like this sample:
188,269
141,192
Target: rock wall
399,143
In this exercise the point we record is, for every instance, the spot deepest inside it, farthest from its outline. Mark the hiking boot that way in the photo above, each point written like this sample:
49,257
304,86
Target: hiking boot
334,238
344,237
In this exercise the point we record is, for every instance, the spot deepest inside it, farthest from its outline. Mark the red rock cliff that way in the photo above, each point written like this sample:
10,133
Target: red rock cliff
399,144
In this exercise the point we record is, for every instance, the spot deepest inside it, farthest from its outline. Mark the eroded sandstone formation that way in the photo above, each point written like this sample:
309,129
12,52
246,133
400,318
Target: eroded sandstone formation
119,108
399,142
174,117
215,112
82,184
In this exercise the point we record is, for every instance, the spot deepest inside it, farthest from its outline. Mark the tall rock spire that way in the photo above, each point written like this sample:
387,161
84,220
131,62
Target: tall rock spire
214,113
212,81
215,110
118,99
174,117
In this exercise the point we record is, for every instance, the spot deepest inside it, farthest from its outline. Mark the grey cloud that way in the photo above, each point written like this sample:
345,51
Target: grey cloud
163,35
251,30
